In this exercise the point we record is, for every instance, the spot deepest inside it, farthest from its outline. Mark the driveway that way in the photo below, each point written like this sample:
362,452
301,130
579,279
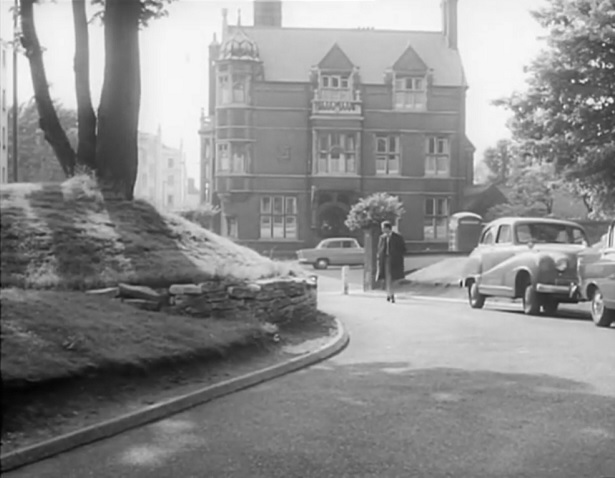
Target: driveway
425,389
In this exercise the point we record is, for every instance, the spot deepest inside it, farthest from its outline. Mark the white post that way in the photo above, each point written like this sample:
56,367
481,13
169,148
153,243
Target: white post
345,280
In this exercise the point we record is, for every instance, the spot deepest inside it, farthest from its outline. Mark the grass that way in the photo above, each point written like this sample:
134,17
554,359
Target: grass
67,236
50,335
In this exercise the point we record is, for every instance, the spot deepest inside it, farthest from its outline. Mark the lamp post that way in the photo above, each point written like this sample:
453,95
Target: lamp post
15,133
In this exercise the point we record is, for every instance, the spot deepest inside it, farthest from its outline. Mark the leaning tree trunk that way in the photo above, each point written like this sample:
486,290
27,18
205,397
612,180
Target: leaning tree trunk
86,149
48,122
118,113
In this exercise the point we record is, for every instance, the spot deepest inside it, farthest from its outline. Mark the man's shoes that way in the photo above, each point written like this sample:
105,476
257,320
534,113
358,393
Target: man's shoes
388,298
393,298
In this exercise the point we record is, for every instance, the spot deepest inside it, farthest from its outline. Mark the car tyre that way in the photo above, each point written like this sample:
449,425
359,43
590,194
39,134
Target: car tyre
601,316
321,263
476,299
550,305
531,300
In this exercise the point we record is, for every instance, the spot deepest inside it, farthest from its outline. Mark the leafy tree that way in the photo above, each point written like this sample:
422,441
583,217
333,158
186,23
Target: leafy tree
500,160
372,210
37,161
107,143
567,114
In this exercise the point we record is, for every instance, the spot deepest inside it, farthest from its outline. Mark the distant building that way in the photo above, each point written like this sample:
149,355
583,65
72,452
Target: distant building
161,177
193,195
302,122
4,113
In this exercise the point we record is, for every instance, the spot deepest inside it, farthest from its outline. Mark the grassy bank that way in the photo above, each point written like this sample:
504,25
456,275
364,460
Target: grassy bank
67,236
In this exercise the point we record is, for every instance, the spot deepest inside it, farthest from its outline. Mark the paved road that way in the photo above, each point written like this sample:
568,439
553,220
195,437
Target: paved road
425,389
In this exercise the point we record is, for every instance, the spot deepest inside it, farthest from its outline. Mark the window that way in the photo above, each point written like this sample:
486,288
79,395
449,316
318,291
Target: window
3,99
504,235
3,174
349,245
337,153
170,200
278,217
437,160
232,229
488,237
435,226
410,93
233,157
387,154
233,88
170,163
336,82
549,233
3,137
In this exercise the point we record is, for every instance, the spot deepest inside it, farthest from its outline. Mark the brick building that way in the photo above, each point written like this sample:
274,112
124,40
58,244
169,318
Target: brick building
302,122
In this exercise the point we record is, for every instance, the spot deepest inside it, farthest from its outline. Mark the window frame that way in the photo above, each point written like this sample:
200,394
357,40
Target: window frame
433,159
501,228
435,217
404,86
286,214
386,155
325,157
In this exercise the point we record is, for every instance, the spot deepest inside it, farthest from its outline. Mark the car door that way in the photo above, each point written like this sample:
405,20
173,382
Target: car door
502,250
488,257
354,252
334,253
607,269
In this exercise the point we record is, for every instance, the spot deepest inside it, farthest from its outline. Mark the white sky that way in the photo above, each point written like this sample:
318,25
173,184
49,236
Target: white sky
496,39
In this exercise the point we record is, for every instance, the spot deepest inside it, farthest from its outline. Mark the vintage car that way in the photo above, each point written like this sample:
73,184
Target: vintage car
597,279
534,259
338,251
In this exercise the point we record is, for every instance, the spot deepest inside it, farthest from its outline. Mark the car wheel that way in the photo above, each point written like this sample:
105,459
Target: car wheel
550,305
601,316
321,264
476,299
531,302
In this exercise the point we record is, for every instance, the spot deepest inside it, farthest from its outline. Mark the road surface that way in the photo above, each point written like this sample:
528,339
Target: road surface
426,388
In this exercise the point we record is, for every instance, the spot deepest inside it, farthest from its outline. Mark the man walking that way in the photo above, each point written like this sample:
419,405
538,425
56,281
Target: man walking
391,250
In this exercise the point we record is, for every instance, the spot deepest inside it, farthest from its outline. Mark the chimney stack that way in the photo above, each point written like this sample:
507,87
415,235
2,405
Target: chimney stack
449,22
268,13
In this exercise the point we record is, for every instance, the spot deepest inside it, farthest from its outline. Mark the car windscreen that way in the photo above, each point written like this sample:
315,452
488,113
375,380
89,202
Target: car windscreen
549,233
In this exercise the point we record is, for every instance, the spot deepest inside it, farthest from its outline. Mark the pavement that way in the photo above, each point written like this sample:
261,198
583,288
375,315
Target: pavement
426,388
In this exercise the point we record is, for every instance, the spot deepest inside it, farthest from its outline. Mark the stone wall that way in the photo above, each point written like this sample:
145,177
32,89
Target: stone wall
276,301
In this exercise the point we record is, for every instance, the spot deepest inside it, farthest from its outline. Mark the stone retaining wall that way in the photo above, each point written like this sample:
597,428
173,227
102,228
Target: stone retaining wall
276,301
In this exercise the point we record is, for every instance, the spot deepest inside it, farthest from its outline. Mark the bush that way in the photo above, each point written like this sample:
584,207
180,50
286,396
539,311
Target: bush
372,210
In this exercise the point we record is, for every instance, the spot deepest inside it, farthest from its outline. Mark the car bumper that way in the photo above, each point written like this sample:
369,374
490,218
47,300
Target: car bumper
303,260
571,290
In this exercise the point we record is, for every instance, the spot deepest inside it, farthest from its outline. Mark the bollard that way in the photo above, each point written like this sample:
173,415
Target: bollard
345,280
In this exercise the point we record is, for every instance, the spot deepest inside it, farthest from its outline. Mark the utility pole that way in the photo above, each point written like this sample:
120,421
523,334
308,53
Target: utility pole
15,113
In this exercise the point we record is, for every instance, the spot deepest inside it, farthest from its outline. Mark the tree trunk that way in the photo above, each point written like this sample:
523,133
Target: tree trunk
370,245
86,149
118,113
48,122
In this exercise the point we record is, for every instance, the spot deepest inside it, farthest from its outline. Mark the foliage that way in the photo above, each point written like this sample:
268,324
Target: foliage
372,210
531,194
36,158
567,114
150,10
203,215
500,160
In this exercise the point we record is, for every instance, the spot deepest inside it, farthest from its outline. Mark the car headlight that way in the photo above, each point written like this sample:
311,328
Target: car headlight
561,264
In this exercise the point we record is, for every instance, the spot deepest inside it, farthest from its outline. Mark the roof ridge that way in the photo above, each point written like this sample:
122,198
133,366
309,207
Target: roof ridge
357,29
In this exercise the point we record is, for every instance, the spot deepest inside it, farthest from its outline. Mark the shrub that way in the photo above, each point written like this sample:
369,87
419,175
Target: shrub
372,210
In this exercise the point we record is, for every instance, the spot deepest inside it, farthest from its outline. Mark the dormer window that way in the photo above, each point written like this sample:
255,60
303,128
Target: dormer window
335,82
410,93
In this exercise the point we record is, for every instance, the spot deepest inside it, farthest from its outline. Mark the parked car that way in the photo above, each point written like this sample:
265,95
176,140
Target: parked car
534,259
338,251
597,279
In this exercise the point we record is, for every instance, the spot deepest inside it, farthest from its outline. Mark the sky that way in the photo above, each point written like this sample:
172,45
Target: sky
497,38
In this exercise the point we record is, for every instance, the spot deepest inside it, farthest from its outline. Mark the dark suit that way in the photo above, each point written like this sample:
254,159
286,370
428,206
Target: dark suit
391,259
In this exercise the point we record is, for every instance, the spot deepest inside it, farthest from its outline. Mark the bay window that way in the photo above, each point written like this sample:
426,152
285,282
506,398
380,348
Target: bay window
337,153
233,88
278,217
233,157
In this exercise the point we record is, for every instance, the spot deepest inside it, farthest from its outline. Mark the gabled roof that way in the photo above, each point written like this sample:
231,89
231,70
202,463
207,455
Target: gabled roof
288,54
335,59
409,61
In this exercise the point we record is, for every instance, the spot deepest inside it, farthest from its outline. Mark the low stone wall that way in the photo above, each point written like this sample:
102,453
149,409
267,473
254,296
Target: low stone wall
276,301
